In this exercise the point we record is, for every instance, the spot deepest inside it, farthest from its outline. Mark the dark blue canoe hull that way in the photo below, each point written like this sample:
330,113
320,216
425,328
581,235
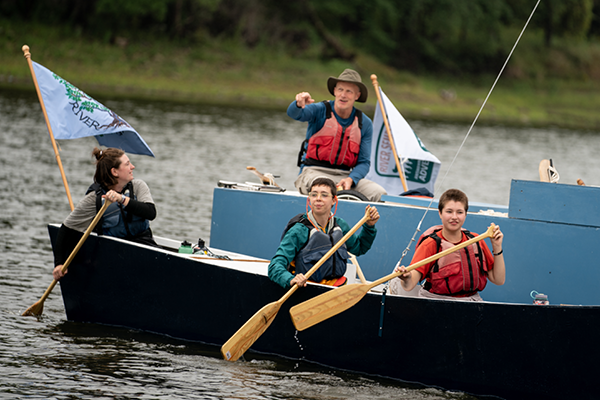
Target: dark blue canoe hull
507,350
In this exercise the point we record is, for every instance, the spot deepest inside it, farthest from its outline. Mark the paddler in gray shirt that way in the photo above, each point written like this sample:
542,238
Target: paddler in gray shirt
127,217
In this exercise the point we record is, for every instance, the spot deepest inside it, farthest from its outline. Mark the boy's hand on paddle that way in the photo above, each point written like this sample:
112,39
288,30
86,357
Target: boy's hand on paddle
373,216
402,268
57,273
299,280
497,238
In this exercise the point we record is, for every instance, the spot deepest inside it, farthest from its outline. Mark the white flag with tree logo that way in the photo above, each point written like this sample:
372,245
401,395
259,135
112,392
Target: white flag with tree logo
73,114
419,166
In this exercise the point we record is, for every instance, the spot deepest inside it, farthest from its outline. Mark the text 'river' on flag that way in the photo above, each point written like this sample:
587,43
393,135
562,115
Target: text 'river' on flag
73,114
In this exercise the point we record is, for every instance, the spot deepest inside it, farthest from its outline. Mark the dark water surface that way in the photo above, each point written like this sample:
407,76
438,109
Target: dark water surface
196,146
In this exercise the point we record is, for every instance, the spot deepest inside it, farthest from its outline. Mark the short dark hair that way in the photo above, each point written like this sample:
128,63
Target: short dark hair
322,181
453,195
106,160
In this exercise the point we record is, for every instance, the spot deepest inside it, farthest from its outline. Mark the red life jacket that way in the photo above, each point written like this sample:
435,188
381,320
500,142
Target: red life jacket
335,146
459,273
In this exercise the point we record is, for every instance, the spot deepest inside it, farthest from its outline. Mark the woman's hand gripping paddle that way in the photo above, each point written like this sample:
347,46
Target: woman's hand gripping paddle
326,305
255,326
38,307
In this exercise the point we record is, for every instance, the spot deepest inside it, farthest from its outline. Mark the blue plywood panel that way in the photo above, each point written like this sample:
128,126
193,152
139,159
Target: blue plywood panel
424,202
552,202
252,223
558,259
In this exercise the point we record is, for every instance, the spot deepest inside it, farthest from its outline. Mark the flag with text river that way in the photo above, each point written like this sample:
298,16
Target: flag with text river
73,114
420,167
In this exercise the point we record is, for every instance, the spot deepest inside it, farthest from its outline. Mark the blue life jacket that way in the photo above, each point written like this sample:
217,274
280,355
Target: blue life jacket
116,221
318,244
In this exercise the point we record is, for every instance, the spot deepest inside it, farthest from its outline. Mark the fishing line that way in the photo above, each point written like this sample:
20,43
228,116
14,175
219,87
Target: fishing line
439,184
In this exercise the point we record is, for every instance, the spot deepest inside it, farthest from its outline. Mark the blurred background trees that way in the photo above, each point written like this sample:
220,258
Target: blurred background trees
453,36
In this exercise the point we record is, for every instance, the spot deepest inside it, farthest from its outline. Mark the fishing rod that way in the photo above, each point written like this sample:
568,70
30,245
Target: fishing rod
439,183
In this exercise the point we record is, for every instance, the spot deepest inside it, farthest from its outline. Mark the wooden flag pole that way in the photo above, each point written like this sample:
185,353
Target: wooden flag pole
27,54
389,131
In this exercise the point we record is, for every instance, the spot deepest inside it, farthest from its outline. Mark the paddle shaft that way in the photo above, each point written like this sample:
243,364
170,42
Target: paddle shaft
358,269
76,249
27,55
488,233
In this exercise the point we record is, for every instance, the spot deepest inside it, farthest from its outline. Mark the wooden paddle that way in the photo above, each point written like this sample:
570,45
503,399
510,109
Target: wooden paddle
255,326
326,305
233,259
265,180
38,307
543,169
358,269
548,172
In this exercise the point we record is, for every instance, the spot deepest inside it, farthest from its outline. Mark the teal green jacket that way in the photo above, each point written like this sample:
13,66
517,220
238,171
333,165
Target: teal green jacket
297,236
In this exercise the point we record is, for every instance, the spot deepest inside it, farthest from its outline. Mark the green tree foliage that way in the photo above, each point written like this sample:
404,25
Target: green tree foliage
565,18
455,36
595,23
557,18
449,35
106,19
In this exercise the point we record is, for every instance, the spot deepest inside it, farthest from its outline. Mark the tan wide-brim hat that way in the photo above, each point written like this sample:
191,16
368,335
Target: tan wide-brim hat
350,76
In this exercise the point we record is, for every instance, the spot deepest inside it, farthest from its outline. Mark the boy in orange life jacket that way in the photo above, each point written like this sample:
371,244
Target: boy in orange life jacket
464,273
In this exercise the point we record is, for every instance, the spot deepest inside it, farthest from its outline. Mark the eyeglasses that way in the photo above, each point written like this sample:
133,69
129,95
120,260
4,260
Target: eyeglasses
314,195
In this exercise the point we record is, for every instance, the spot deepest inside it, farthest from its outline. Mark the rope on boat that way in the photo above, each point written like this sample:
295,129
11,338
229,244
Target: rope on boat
439,184
382,312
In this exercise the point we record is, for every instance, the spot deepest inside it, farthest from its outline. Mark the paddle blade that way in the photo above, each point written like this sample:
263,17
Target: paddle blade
35,310
250,332
326,305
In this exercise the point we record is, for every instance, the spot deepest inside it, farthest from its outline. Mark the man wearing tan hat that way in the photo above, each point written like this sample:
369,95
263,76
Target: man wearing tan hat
338,137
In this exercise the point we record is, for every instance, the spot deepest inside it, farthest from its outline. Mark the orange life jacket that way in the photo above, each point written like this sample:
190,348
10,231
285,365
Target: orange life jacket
335,146
460,273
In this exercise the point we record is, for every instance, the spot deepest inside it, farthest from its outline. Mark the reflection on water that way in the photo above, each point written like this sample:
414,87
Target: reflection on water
70,360
195,147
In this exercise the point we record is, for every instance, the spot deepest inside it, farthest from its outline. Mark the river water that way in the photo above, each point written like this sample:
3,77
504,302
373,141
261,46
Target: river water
195,147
